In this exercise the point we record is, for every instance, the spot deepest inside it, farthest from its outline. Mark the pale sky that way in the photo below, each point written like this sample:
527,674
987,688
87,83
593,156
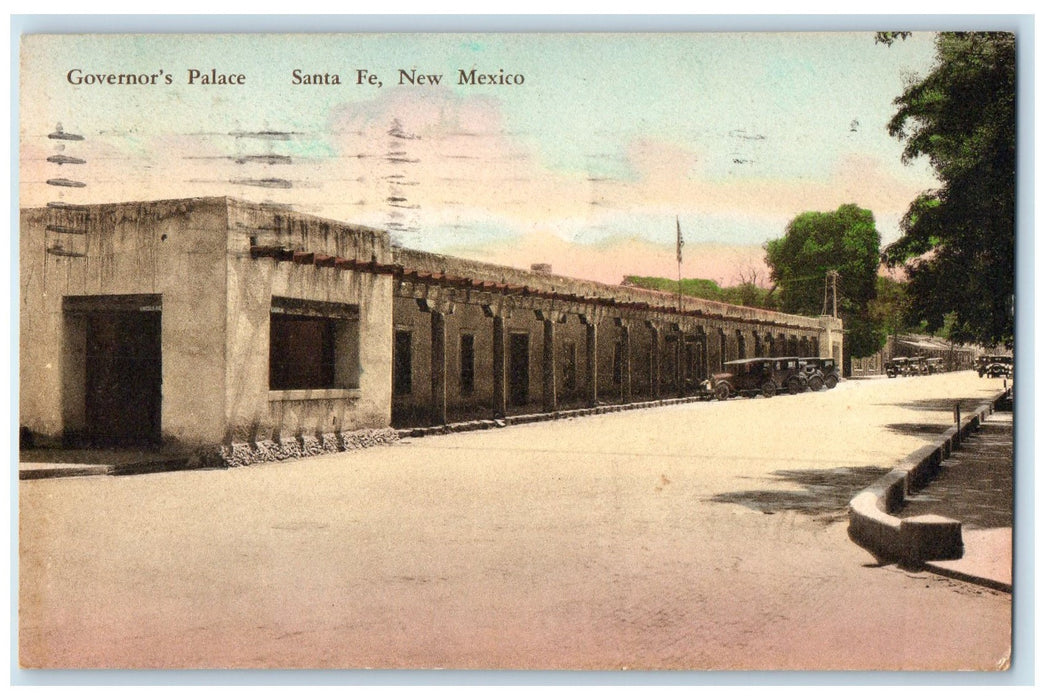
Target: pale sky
585,165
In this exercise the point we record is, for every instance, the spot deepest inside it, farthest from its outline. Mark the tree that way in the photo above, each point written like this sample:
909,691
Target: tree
750,288
888,38
890,308
696,287
958,242
747,293
815,243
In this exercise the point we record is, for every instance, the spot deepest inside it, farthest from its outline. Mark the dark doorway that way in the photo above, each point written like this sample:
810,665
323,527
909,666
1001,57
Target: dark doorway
690,367
668,368
518,369
467,364
618,363
124,378
569,368
402,359
700,358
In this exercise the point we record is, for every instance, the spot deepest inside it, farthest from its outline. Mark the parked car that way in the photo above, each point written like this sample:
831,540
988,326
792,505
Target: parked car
897,366
918,365
759,375
935,365
820,372
994,365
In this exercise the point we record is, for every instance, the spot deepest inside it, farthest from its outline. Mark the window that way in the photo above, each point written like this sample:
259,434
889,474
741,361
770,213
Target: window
467,364
313,345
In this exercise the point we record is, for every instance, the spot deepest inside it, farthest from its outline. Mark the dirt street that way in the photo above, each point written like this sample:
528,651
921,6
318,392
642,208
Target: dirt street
700,536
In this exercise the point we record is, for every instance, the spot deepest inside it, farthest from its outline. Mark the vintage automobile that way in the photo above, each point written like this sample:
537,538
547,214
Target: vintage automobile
934,365
916,366
759,375
994,365
820,372
897,366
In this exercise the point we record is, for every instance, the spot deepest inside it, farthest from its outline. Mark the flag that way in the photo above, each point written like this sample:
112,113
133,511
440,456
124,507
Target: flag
679,243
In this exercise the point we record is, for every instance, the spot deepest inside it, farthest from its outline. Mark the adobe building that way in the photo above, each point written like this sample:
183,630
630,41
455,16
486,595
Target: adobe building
154,323
197,323
474,340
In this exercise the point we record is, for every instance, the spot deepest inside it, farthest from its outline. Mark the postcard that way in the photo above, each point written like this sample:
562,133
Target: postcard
517,351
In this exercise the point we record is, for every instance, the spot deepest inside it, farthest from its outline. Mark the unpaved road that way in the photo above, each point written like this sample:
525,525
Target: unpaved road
702,536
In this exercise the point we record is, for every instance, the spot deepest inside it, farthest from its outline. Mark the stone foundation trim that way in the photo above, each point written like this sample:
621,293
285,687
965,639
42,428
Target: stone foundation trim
242,454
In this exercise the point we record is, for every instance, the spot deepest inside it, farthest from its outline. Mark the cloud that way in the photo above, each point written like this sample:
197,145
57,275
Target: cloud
444,171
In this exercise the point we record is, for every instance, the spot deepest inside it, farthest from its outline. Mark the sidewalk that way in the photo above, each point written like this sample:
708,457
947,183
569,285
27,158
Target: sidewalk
975,486
45,463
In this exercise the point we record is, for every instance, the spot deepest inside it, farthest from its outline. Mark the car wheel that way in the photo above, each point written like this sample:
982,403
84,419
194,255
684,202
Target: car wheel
816,384
831,381
769,389
722,391
794,385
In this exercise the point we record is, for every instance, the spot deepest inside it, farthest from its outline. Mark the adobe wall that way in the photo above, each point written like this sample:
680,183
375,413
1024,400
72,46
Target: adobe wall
432,262
253,411
669,351
217,263
215,305
172,248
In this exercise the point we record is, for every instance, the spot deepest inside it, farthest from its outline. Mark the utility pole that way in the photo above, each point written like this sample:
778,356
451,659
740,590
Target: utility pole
831,283
823,309
834,293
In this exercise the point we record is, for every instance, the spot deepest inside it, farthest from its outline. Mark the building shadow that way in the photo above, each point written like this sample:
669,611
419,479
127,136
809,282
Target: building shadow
823,494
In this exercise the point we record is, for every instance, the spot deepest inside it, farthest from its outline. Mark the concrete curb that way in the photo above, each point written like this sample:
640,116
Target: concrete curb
917,539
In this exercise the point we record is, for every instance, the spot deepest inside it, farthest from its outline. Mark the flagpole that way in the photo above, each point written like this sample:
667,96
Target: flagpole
678,256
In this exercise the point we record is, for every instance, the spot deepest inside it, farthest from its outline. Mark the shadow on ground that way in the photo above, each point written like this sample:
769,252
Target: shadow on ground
825,495
918,429
967,405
